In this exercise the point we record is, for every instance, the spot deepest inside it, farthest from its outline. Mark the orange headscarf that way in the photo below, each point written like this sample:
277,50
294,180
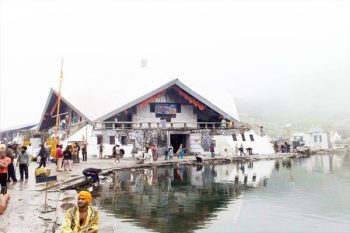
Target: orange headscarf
87,196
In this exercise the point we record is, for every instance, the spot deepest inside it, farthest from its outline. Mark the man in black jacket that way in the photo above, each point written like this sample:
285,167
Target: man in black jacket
93,173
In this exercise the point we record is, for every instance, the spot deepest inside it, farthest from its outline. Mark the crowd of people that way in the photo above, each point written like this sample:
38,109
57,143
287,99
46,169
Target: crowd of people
167,152
282,147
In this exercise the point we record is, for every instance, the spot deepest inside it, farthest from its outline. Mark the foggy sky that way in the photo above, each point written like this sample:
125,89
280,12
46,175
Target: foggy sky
291,55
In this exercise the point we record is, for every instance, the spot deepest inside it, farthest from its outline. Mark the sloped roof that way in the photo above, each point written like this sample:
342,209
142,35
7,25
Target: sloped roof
19,127
51,94
163,87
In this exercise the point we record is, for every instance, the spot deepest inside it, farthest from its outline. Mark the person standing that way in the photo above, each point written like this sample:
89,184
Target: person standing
166,153
77,148
74,153
212,150
4,163
67,156
11,154
42,154
23,162
171,152
84,152
100,149
81,218
122,153
287,145
275,147
59,158
117,154
241,150
180,152
154,152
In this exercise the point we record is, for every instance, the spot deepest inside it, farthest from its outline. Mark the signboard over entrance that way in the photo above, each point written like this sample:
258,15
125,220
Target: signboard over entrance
165,109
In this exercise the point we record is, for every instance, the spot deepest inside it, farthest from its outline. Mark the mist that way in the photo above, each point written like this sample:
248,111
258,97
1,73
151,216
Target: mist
280,60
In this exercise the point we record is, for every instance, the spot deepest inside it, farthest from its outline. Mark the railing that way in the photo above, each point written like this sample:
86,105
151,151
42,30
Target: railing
120,125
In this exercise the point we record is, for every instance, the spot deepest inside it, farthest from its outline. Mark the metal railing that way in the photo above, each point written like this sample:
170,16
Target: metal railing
120,125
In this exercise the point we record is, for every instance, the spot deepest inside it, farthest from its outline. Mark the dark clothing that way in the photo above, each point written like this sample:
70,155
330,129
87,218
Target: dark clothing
84,152
11,173
77,149
42,162
212,150
23,168
93,173
84,155
199,159
241,150
43,154
67,155
3,183
122,152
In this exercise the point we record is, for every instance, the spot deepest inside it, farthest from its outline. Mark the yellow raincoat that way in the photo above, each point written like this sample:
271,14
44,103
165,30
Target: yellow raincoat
72,221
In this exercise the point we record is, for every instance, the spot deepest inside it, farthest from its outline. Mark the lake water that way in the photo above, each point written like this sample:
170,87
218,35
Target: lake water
296,195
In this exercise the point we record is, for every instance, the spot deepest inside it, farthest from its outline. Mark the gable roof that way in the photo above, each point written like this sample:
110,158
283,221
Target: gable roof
161,88
19,127
51,94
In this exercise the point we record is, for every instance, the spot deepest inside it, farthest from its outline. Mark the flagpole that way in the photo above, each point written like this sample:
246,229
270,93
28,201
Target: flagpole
58,104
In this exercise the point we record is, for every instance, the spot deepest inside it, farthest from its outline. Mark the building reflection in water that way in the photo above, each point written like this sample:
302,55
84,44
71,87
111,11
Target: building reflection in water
185,198
179,198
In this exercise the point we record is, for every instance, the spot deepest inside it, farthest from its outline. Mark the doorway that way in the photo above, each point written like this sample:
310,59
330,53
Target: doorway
177,139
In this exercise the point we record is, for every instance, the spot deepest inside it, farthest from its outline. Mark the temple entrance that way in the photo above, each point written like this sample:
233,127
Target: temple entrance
177,139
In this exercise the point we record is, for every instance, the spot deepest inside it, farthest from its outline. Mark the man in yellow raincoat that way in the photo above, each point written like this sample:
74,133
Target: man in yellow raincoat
81,218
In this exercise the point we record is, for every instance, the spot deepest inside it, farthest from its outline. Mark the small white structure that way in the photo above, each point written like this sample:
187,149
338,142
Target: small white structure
317,138
226,144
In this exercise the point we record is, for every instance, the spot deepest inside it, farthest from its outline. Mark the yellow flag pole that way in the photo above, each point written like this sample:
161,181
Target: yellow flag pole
58,105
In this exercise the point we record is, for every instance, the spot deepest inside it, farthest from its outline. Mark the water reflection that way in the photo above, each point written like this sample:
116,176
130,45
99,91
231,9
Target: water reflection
190,198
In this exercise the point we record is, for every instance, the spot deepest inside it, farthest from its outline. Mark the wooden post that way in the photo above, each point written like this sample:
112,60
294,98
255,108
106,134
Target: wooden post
45,205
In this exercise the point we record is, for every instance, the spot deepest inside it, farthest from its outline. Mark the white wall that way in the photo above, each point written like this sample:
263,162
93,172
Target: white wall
260,145
321,141
186,115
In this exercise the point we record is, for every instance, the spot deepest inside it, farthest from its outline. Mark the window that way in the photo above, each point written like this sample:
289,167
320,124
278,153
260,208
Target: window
251,137
178,108
123,140
243,137
99,139
111,140
234,137
315,138
152,107
320,138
